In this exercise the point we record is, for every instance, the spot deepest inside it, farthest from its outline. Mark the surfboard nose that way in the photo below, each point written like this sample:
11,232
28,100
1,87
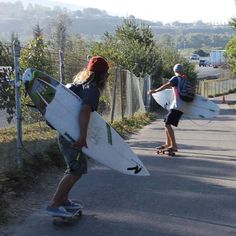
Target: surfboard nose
27,76
145,172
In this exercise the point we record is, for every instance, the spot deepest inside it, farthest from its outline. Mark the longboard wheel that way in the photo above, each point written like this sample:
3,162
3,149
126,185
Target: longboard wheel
62,220
160,151
170,153
166,152
67,220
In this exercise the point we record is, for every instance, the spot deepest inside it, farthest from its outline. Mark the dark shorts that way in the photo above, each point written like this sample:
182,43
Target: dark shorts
75,159
173,117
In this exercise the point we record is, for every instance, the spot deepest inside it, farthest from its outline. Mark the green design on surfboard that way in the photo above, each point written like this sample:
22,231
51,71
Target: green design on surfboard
109,135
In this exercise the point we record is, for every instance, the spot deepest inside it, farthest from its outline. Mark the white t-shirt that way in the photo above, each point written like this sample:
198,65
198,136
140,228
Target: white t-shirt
178,103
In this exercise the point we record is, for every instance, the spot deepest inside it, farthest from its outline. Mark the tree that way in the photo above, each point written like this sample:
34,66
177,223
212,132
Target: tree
170,57
59,32
36,55
231,54
75,57
231,48
132,47
7,92
59,39
37,31
232,22
201,53
166,40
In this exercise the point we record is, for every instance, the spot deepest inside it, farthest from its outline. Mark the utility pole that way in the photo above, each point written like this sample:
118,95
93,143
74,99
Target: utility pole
16,50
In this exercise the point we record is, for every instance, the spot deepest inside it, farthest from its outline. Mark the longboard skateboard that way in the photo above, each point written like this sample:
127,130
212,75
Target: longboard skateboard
60,220
167,151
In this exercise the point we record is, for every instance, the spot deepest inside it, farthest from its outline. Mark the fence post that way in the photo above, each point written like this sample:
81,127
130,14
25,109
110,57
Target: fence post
62,67
114,96
203,88
146,88
16,50
121,94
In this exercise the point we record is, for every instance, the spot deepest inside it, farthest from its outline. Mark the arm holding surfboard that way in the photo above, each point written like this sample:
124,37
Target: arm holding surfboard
87,85
84,120
163,87
175,112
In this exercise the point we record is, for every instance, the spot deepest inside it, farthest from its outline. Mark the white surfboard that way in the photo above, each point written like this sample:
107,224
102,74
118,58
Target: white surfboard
61,108
201,107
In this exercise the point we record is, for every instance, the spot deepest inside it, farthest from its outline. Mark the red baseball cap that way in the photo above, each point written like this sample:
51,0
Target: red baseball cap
97,64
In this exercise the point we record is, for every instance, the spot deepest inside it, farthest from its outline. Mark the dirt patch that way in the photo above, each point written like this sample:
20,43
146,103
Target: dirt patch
21,204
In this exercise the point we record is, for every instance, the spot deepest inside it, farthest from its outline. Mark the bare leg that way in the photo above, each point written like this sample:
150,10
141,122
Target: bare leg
168,139
63,189
170,136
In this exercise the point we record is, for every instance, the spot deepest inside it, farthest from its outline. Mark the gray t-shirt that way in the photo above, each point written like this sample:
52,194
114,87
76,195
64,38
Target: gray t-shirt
88,92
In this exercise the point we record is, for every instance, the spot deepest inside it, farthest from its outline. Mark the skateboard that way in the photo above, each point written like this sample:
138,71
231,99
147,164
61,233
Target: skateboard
60,220
168,151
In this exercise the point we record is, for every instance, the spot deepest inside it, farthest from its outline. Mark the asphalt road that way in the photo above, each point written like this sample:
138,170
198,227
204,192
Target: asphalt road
192,194
208,71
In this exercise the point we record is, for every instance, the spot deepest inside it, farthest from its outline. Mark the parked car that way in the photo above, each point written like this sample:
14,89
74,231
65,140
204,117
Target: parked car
207,63
204,63
194,57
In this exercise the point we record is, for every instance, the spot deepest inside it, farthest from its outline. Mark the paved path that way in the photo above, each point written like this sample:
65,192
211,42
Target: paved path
191,194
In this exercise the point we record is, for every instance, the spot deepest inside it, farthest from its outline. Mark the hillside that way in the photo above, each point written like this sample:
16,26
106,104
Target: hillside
21,18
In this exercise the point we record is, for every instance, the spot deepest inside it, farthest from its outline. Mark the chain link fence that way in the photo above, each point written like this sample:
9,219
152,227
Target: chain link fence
124,96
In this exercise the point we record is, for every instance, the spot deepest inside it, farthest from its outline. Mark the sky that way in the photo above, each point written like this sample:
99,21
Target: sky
215,11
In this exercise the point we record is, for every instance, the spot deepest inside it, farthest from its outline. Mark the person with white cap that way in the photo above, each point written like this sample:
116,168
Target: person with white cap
176,109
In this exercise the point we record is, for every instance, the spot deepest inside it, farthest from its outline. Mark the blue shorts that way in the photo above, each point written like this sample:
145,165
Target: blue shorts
173,117
75,159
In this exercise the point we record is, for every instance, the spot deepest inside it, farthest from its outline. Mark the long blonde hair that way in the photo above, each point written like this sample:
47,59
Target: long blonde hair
85,76
82,76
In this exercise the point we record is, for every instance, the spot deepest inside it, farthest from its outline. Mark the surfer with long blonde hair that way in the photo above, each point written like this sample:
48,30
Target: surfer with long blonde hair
87,85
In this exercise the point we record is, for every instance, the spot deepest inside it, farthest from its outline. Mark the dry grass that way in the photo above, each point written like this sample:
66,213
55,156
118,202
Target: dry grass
40,151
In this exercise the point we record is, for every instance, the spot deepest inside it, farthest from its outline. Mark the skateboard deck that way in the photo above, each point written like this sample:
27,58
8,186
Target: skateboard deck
60,220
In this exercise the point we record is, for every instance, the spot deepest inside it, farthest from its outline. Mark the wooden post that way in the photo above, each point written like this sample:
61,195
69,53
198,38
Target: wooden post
114,96
16,50
121,93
